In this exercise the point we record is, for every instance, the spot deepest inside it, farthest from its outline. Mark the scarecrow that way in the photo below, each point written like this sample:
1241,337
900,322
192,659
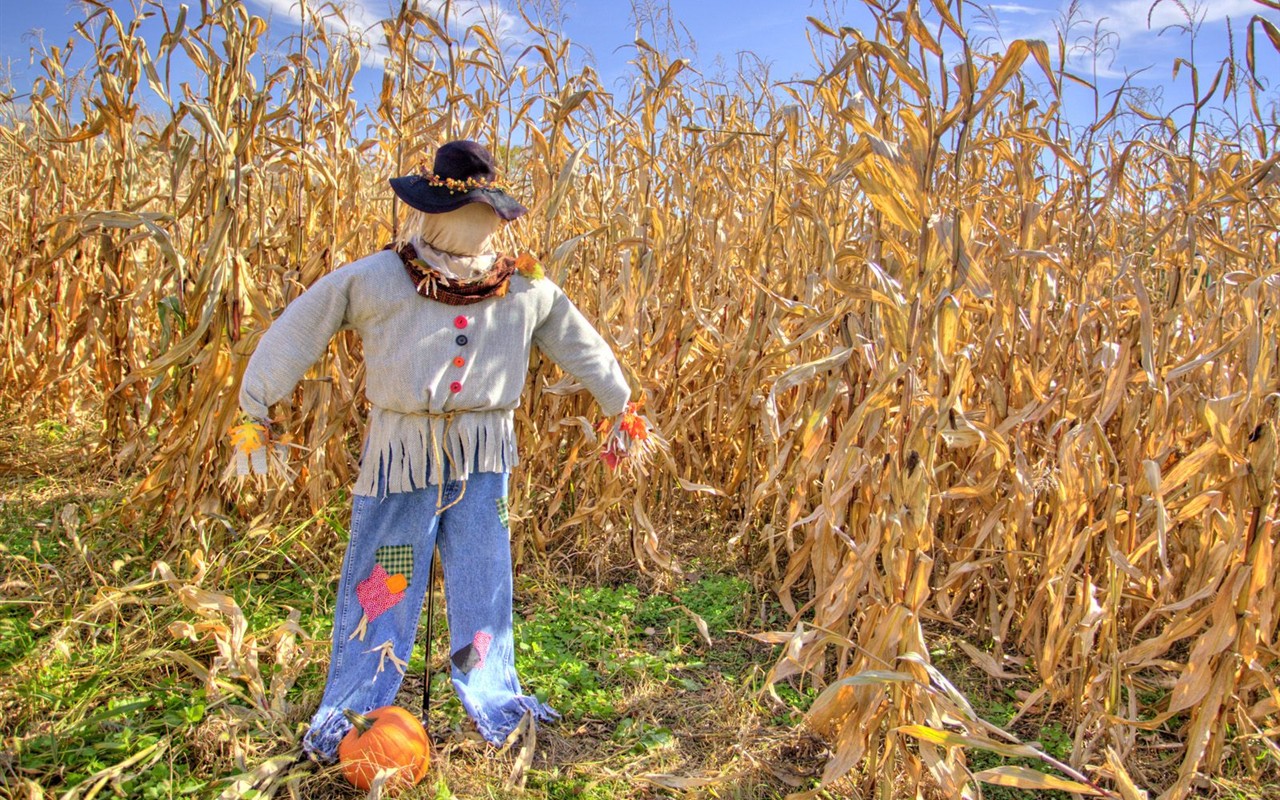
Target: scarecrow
447,325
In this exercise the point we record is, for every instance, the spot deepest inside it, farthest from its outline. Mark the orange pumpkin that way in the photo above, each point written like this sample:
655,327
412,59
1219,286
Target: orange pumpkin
386,738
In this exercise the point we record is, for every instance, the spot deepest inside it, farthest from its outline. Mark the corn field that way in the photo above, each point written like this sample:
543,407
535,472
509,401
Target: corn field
929,358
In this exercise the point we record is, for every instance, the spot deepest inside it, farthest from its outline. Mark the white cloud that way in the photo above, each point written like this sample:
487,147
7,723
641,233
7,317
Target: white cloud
1014,8
1126,41
1132,15
1144,32
362,19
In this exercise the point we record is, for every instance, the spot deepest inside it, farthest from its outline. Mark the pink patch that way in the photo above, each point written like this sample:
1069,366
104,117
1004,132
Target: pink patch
481,643
374,596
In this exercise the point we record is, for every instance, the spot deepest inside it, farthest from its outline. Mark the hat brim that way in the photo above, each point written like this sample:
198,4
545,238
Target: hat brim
418,193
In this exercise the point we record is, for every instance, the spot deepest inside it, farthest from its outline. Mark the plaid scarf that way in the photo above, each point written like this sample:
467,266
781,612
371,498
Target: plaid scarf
434,286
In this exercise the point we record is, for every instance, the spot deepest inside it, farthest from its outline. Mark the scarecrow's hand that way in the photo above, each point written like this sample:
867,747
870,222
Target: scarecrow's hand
630,440
257,451
614,449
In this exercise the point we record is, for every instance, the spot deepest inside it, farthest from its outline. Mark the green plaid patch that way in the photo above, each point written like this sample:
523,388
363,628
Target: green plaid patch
502,512
396,559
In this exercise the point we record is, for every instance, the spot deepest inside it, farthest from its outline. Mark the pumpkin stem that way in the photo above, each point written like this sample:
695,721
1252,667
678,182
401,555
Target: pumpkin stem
360,721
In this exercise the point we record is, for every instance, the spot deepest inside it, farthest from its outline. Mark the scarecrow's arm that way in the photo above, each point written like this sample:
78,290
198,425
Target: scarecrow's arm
295,341
568,339
285,352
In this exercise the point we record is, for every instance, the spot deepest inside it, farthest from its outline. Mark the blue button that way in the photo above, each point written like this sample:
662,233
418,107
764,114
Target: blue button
461,340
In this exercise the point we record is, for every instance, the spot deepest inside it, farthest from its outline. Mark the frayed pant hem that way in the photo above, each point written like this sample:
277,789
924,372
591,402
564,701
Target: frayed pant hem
321,742
495,728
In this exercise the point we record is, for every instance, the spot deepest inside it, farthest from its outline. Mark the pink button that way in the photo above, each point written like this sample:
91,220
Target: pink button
455,387
459,321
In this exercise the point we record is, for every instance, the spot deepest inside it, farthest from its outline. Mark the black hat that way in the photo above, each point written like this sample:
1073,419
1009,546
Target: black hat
463,173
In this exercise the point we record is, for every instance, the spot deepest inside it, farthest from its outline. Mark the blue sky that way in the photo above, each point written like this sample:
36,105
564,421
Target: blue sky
713,32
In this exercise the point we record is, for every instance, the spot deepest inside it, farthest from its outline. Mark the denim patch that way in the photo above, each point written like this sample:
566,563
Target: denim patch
396,559
466,659
472,656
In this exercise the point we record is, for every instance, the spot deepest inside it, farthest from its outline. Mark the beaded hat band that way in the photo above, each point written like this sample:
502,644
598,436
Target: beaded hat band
463,172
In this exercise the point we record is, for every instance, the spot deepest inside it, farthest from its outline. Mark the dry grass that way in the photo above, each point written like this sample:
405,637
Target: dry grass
923,351
117,641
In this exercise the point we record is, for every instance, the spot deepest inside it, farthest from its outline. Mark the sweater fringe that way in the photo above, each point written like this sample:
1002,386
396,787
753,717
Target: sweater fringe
404,451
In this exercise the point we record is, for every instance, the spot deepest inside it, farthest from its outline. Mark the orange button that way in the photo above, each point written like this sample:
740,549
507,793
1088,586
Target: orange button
459,361
459,321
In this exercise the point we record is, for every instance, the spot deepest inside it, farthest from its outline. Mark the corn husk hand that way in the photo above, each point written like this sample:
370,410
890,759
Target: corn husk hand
630,441
257,454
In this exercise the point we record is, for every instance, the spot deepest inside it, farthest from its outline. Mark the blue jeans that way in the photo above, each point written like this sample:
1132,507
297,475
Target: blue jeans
380,593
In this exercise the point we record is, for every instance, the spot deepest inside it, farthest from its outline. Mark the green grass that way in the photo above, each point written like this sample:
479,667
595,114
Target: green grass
86,685
84,693
587,650
125,726
16,636
627,666
1053,738
555,785
996,702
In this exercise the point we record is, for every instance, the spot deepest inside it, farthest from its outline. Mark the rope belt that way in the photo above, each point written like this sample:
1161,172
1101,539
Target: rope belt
437,450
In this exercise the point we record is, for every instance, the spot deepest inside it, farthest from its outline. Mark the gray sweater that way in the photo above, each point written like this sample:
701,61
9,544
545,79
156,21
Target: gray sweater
443,380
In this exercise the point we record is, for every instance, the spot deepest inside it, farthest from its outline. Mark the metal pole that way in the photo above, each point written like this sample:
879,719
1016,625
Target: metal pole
431,618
